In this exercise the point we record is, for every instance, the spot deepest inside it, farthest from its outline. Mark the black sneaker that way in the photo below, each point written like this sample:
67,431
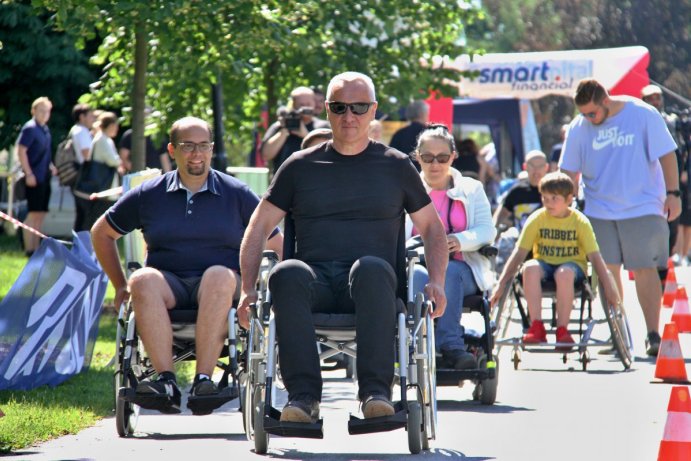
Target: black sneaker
205,396
162,395
459,359
652,343
203,387
301,409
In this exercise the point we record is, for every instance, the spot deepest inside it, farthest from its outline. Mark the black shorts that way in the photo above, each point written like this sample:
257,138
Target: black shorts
186,289
38,197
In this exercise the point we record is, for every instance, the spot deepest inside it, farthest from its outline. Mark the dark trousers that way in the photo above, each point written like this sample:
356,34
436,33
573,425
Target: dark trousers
368,289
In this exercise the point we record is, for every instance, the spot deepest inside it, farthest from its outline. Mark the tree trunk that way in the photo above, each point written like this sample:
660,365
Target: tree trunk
270,85
138,153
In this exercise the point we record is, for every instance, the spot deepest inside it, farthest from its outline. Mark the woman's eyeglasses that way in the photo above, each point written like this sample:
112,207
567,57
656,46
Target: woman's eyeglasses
188,147
357,108
440,158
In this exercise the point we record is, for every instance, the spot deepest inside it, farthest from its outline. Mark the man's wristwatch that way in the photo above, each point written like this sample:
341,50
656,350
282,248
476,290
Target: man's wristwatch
675,192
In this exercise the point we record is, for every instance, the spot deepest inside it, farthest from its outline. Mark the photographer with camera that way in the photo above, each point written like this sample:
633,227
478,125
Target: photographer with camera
285,135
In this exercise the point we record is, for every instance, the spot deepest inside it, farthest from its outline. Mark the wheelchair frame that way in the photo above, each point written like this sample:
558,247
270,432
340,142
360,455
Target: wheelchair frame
132,365
615,318
415,372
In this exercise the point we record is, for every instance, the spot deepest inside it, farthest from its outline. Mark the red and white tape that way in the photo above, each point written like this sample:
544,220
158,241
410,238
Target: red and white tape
24,226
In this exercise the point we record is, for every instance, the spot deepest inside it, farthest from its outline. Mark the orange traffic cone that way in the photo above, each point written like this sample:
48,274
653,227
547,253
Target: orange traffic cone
670,290
670,367
681,315
676,440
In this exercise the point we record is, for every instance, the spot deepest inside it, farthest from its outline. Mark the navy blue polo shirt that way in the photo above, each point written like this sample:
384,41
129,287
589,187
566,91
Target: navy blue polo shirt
186,236
36,138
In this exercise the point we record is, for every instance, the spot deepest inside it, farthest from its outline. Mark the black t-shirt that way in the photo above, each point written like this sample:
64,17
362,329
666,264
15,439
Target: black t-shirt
293,142
347,206
521,200
405,139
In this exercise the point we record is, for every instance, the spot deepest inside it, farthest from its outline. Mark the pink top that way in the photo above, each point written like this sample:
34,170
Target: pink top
452,213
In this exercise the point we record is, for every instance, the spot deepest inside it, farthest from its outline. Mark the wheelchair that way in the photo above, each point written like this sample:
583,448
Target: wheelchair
132,365
585,294
414,370
131,362
485,376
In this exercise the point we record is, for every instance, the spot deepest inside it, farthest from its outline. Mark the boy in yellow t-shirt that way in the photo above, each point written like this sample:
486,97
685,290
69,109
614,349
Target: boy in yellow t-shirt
561,238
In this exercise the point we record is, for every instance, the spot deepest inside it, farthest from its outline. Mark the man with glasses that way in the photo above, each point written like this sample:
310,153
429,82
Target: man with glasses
347,198
193,220
286,134
625,154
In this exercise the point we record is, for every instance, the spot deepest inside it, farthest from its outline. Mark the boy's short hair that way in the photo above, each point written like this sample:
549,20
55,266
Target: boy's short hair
556,183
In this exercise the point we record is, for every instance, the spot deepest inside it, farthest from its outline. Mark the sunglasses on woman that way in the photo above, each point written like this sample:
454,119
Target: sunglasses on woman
357,108
440,158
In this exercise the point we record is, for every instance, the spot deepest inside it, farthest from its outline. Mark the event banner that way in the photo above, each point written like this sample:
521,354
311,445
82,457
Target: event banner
49,318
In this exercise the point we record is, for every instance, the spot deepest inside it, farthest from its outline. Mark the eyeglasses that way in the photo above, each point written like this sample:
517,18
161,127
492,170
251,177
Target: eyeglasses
357,108
440,158
188,147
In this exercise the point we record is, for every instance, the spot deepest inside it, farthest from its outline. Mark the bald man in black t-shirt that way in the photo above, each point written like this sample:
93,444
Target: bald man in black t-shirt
347,198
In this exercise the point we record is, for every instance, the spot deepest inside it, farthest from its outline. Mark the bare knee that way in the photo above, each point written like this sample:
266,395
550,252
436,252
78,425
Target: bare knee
218,281
531,271
145,280
564,276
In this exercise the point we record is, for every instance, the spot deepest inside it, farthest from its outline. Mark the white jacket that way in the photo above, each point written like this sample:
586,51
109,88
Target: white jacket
480,230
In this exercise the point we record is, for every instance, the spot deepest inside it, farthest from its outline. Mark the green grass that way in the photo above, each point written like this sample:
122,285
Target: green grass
48,412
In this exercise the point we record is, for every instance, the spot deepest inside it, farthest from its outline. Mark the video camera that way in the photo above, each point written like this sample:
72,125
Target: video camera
292,118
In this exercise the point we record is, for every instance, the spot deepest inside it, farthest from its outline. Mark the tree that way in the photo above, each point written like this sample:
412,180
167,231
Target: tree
260,49
37,61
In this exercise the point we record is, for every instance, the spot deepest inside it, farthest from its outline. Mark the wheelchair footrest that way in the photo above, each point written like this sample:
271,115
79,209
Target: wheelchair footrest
451,377
274,425
381,424
206,404
159,402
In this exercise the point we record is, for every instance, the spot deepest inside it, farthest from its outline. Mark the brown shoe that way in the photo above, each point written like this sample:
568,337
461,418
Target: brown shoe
376,406
302,409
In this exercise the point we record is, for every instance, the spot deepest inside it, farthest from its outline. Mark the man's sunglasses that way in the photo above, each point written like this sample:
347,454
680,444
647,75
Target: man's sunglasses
429,158
357,108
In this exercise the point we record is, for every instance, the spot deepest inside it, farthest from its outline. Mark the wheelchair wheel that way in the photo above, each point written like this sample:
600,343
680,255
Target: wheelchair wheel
126,413
486,390
426,373
414,427
500,315
261,438
619,328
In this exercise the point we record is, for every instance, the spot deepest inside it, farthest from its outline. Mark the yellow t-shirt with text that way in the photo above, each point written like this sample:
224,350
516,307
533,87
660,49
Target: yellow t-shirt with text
559,240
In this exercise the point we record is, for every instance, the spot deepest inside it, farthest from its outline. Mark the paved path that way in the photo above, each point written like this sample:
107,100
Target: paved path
546,410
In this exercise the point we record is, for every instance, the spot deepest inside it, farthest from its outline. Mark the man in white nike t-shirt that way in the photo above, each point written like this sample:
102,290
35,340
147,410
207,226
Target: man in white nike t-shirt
625,154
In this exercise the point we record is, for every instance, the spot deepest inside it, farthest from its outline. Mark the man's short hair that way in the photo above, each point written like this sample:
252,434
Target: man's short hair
556,183
78,110
41,100
589,90
300,91
186,122
350,77
416,110
650,90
